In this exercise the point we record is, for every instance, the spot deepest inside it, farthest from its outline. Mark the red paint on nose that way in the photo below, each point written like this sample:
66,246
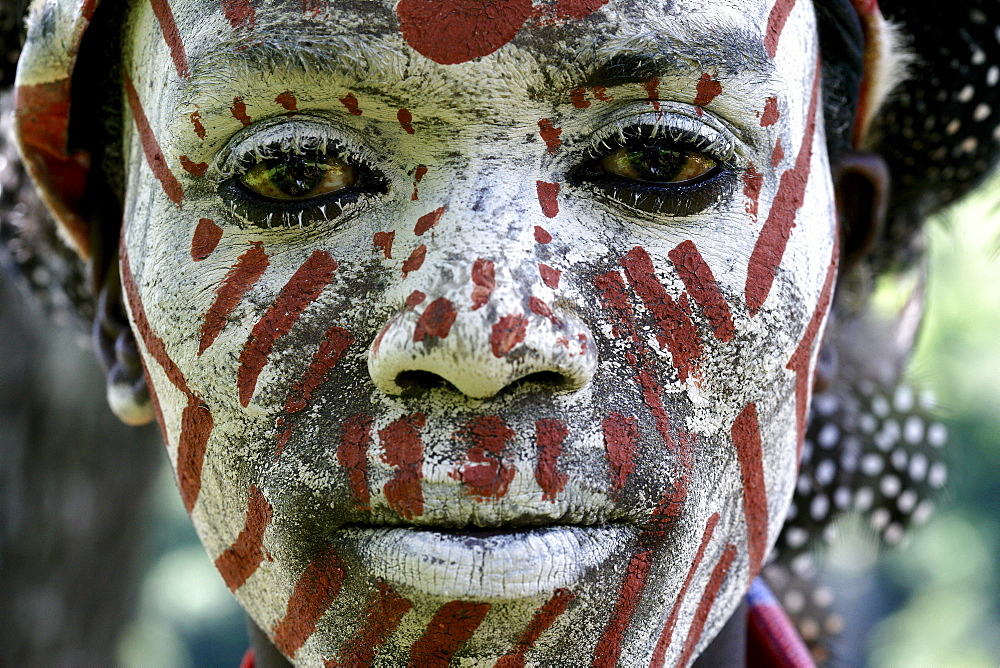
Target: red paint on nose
578,96
621,434
771,113
416,259
457,31
377,622
383,241
484,280
652,87
550,276
700,283
287,100
746,438
708,89
205,239
485,473
239,111
548,198
507,333
238,281
549,134
542,235
352,454
753,181
436,320
199,129
405,119
549,436
351,103
241,559
404,449
193,168
543,618
415,299
318,587
428,220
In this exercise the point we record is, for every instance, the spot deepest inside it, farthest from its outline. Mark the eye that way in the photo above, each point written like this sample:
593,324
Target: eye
295,177
658,164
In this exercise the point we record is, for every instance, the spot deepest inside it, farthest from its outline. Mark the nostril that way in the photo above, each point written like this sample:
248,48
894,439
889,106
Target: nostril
412,381
415,382
547,379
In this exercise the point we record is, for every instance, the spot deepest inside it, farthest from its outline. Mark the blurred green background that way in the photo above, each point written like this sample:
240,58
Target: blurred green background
946,577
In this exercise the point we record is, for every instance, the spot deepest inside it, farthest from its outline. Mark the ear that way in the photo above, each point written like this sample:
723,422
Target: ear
861,186
114,343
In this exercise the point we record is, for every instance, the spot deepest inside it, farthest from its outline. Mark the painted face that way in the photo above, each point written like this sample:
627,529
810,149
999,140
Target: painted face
480,332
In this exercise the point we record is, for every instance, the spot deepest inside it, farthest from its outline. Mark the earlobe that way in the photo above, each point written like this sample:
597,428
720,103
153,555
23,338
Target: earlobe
861,185
114,343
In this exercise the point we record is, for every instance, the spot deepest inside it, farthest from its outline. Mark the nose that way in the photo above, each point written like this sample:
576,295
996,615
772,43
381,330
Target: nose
482,333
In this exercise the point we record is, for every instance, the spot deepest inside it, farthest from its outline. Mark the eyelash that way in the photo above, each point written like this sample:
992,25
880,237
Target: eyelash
672,199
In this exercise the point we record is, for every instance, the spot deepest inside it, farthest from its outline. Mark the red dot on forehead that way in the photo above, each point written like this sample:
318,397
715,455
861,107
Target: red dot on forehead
456,31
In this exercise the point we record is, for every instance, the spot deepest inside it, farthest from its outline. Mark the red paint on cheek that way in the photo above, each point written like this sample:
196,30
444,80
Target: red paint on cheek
379,620
240,13
172,37
578,96
539,307
199,129
447,632
287,100
746,437
775,24
771,113
778,154
541,235
419,174
578,9
666,636
652,87
753,181
238,281
352,454
457,31
436,320
549,134
507,333
415,299
193,168
700,283
151,148
299,292
549,435
206,237
601,93
405,119
351,104
404,449
484,279
318,587
715,582
241,560
550,276
543,618
548,198
428,220
707,90
621,434
239,111
383,241
332,347
416,259
676,331
485,474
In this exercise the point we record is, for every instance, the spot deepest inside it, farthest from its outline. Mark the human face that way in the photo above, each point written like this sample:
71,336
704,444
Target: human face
521,370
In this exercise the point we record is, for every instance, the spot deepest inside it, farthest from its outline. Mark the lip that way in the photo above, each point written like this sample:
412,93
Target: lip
503,563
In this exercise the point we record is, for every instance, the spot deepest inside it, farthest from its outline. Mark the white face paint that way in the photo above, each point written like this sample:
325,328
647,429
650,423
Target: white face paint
529,379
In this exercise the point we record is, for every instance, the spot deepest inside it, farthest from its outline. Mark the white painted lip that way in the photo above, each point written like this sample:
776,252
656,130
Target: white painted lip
487,564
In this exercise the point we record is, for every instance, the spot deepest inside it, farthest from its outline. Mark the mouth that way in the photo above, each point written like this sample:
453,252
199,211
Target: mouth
486,563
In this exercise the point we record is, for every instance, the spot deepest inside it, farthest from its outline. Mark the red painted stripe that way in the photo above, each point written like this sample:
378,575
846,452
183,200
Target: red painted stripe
351,103
383,241
776,24
405,119
199,129
578,96
241,560
486,473
542,235
507,333
415,299
331,349
544,617
548,198
417,175
172,36
300,291
771,113
621,434
753,181
652,87
668,629
416,260
287,100
549,436
318,586
379,620
746,438
484,278
799,361
446,633
241,277
239,111
715,583
151,148
778,154
239,13
436,320
352,454
700,283
404,449
428,220
315,7
550,134
206,237
550,276
770,245
708,89
676,331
